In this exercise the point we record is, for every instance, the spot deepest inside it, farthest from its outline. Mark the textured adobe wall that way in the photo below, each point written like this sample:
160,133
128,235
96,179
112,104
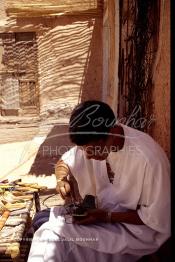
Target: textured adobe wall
69,58
70,63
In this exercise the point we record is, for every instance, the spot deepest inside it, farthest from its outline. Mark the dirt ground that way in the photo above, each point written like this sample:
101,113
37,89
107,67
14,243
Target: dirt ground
29,150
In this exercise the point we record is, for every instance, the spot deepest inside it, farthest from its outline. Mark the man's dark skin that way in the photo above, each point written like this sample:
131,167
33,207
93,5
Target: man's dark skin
115,140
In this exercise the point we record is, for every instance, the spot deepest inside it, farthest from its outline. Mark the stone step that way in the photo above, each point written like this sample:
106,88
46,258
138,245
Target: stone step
31,111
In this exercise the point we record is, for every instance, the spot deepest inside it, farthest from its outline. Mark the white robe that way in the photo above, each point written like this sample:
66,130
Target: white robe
141,178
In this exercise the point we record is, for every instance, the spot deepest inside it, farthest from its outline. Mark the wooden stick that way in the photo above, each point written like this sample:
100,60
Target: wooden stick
32,185
30,189
3,218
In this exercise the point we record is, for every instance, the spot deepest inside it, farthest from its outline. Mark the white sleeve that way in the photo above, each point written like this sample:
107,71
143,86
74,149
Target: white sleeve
69,157
156,214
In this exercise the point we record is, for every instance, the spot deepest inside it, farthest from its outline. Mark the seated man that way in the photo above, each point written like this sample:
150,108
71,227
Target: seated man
128,174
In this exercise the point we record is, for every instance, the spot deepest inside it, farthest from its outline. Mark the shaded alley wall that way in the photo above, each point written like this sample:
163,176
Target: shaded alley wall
110,53
161,77
144,72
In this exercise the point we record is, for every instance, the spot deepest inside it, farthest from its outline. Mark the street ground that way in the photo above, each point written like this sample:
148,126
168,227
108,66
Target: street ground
28,150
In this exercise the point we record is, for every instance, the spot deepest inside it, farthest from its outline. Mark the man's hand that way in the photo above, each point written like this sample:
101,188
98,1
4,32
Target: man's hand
61,172
93,216
101,216
63,187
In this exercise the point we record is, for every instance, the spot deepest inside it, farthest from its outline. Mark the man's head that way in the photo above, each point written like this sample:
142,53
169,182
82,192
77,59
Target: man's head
90,126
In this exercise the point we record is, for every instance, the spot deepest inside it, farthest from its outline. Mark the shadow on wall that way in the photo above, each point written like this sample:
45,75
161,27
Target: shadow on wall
56,143
91,87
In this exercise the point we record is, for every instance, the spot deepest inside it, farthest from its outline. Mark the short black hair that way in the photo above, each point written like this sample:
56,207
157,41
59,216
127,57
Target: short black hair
90,121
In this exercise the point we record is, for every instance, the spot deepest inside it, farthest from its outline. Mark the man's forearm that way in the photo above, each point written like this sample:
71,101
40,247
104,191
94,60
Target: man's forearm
61,171
130,217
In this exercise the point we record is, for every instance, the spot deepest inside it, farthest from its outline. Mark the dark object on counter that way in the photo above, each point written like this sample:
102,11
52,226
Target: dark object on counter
88,203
